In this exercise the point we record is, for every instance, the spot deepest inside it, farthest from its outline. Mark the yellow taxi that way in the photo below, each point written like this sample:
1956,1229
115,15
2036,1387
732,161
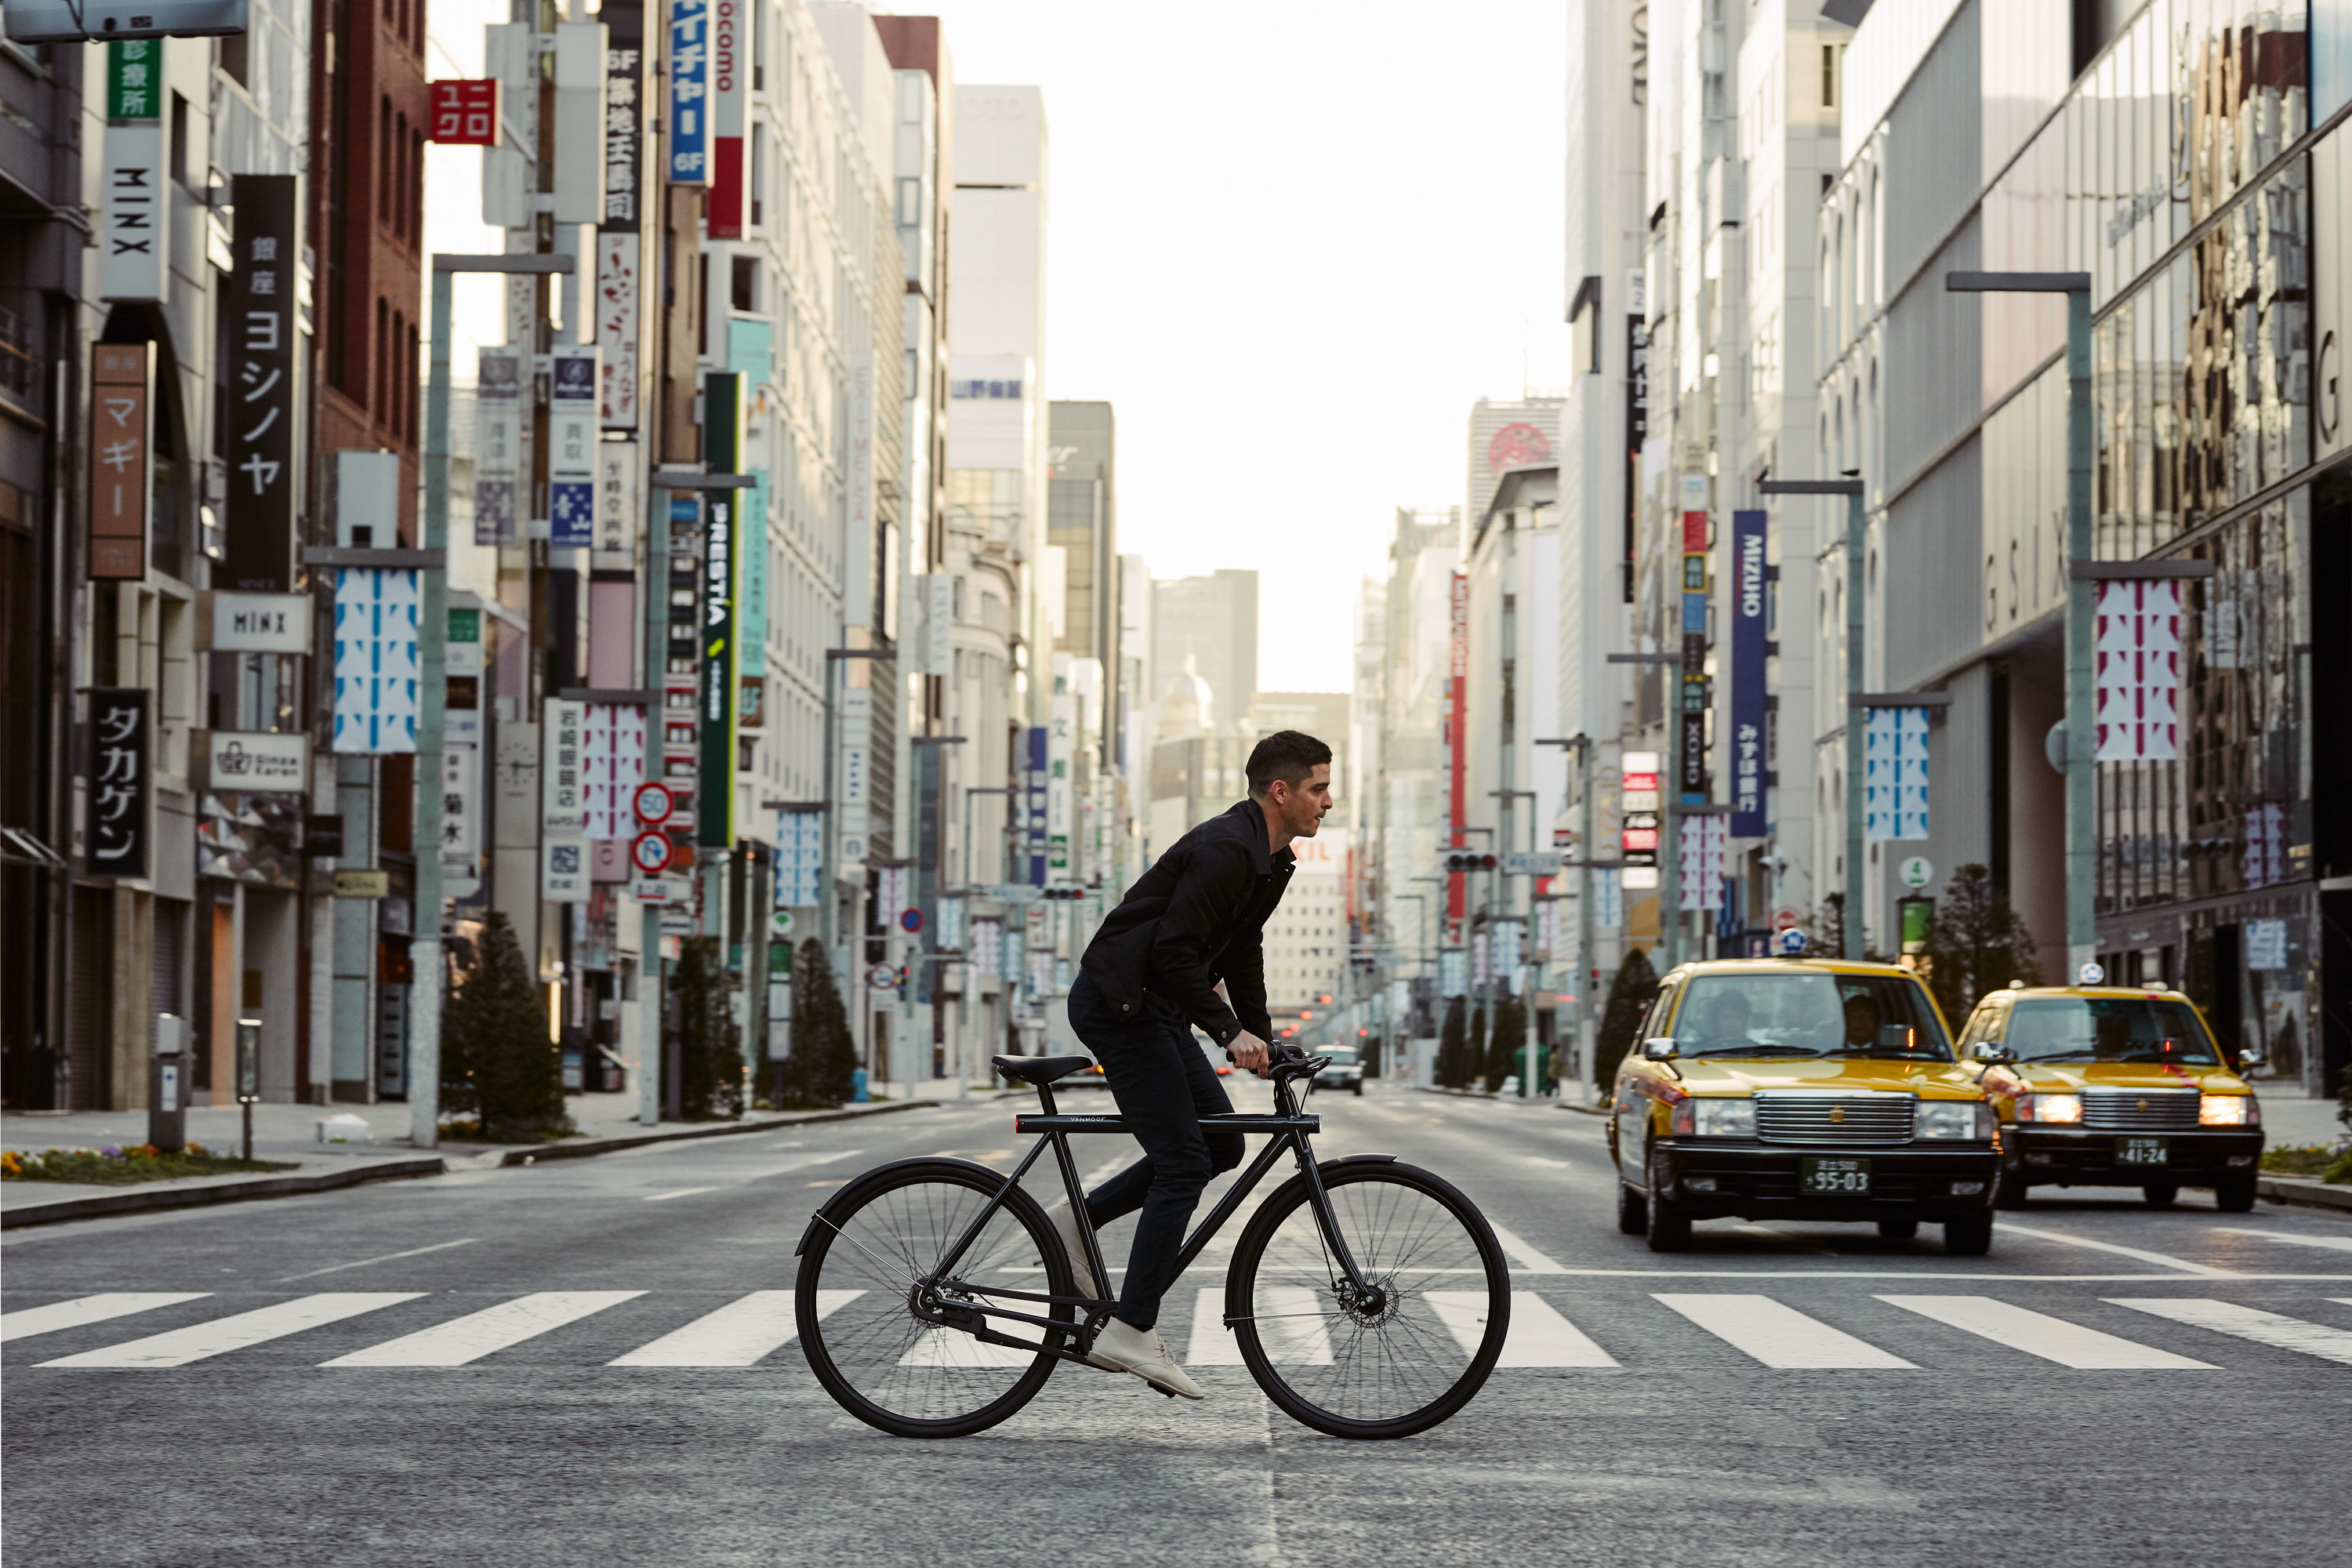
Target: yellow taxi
1799,1089
2110,1086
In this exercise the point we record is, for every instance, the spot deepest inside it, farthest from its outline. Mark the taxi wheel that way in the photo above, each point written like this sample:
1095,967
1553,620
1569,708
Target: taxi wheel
2160,1195
1669,1229
1969,1237
2234,1195
1632,1211
1897,1229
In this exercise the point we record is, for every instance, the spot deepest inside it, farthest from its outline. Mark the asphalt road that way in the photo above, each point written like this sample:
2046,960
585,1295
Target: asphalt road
1674,1441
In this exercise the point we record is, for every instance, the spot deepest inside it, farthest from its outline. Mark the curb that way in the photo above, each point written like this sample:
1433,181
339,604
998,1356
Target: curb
1509,1099
151,1199
2304,1193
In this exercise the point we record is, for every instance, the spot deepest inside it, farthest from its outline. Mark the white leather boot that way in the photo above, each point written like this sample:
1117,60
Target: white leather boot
1144,1353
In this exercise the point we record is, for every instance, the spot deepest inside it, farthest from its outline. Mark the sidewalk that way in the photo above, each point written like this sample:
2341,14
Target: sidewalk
2290,1119
287,1133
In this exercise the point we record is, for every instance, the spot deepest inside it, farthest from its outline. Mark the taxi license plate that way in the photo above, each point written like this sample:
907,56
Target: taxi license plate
1841,1178
2142,1152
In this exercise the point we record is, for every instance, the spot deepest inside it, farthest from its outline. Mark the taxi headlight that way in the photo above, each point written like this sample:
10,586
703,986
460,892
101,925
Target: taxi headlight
1949,1118
2050,1107
1723,1117
2228,1110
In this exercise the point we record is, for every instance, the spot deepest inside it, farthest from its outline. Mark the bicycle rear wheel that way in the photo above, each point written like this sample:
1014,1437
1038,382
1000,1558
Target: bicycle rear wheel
873,1256
1398,1361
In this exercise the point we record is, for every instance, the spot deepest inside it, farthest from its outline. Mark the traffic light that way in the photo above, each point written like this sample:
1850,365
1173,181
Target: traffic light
1325,999
1065,893
1466,862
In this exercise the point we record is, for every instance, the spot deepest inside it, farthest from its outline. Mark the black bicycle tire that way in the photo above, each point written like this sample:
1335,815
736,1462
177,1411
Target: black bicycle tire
874,1183
1251,1249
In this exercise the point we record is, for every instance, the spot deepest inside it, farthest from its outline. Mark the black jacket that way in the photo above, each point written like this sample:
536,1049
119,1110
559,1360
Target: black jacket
1194,919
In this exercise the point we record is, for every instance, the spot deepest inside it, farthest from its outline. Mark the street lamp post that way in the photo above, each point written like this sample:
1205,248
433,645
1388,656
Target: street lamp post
1850,487
1507,797
1582,743
930,934
829,897
432,695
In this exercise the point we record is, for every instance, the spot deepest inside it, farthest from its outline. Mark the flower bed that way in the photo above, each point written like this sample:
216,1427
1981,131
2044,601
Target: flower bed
2332,1165
109,1166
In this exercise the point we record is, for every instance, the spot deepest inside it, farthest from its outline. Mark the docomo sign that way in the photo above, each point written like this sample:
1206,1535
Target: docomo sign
465,112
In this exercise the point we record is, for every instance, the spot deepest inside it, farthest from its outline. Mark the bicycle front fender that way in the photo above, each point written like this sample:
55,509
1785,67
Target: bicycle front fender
843,1197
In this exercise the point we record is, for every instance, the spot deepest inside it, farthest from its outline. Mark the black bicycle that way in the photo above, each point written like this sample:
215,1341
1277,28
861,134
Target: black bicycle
1368,1298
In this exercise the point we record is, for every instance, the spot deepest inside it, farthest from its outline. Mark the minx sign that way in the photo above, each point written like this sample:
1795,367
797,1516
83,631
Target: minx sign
261,623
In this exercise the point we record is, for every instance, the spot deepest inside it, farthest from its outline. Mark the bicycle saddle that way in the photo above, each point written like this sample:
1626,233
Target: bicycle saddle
1040,1069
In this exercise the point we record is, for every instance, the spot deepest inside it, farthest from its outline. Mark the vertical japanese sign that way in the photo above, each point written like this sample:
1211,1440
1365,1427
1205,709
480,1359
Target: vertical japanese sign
1637,808
1457,745
2139,644
564,803
1895,773
619,246
259,551
729,63
1060,805
497,445
121,460
1637,430
620,502
461,810
571,444
1035,832
135,253
1749,621
690,82
852,790
1691,689
1699,859
722,448
116,844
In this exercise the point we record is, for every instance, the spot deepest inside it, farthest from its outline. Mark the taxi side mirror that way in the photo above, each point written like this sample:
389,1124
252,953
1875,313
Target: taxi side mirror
2250,1058
1661,1049
1994,1054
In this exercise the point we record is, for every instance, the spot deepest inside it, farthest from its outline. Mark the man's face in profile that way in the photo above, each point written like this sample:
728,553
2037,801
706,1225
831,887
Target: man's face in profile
1300,807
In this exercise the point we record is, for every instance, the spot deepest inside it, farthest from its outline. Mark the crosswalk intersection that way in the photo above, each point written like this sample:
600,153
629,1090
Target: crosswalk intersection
2182,1333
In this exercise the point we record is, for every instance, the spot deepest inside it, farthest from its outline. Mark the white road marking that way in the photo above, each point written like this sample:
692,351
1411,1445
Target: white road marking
2035,1333
1527,1257
1292,1325
2247,1323
737,1334
2004,1223
387,1257
476,1334
73,1314
958,1351
2341,1243
1538,1335
804,1163
181,1346
1778,1335
1213,1344
1540,1159
681,1193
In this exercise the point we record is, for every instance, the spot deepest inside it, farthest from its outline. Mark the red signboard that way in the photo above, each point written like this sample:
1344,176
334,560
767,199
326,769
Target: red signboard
466,112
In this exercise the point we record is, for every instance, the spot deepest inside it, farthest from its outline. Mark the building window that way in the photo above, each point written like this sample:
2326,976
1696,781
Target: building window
383,346
383,161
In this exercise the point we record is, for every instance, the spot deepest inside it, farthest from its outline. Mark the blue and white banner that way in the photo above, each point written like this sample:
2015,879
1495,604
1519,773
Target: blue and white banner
376,668
1608,901
689,93
799,858
1750,618
1895,764
1452,973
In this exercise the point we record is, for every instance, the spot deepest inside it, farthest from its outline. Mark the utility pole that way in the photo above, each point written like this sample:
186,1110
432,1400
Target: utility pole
1850,487
1507,797
1582,743
432,696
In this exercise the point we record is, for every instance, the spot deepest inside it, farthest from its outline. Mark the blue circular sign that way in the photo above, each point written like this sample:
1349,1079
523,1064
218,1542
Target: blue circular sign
912,920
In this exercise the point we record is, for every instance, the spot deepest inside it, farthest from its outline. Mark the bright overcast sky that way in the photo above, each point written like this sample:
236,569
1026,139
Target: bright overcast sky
1292,243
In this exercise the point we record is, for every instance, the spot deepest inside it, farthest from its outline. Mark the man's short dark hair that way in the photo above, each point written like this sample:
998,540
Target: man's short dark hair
1286,754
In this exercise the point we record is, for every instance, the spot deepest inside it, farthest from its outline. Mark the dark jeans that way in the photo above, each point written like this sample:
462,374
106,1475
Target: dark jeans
1163,1084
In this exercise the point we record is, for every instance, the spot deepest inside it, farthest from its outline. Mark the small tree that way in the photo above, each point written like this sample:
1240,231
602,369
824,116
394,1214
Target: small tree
1508,1041
1630,992
710,1058
497,1061
823,1056
1452,1069
1975,944
1828,936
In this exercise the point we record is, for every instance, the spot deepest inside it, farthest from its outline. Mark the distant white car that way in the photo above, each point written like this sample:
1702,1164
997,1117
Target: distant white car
1346,1071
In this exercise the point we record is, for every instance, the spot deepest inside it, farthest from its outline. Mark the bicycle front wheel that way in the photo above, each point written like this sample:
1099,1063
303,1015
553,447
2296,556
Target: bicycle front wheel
1399,1359
870,1288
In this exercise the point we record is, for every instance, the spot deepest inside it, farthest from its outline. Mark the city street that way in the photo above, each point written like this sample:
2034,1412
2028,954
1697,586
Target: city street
568,1363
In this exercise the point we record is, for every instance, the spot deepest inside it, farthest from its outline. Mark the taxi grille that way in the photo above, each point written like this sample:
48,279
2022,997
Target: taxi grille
1834,1120
2140,1109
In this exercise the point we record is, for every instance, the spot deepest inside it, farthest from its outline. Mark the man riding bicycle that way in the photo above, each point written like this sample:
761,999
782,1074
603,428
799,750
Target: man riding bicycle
1149,978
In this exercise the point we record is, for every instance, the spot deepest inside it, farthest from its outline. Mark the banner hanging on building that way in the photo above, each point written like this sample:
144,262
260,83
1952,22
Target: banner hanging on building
1699,858
619,245
612,764
1895,773
722,448
134,256
799,858
689,91
730,64
571,443
2139,644
1691,690
497,445
1750,618
262,409
376,668
122,465
115,843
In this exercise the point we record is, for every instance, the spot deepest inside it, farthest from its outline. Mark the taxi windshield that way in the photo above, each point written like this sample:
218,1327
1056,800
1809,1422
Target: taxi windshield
1341,1057
2106,1029
1807,1013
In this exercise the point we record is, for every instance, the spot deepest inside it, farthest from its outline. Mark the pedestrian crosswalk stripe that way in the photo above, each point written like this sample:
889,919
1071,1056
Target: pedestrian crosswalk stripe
1213,1344
954,1349
1777,1335
181,1346
737,1334
476,1334
1525,1257
2247,1323
73,1314
2035,1333
1538,1335
1292,1324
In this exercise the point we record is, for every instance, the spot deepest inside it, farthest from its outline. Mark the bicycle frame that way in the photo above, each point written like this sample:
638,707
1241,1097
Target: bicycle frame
1291,1129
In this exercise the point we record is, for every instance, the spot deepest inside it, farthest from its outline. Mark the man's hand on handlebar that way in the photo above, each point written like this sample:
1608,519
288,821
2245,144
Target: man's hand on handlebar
1248,1052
